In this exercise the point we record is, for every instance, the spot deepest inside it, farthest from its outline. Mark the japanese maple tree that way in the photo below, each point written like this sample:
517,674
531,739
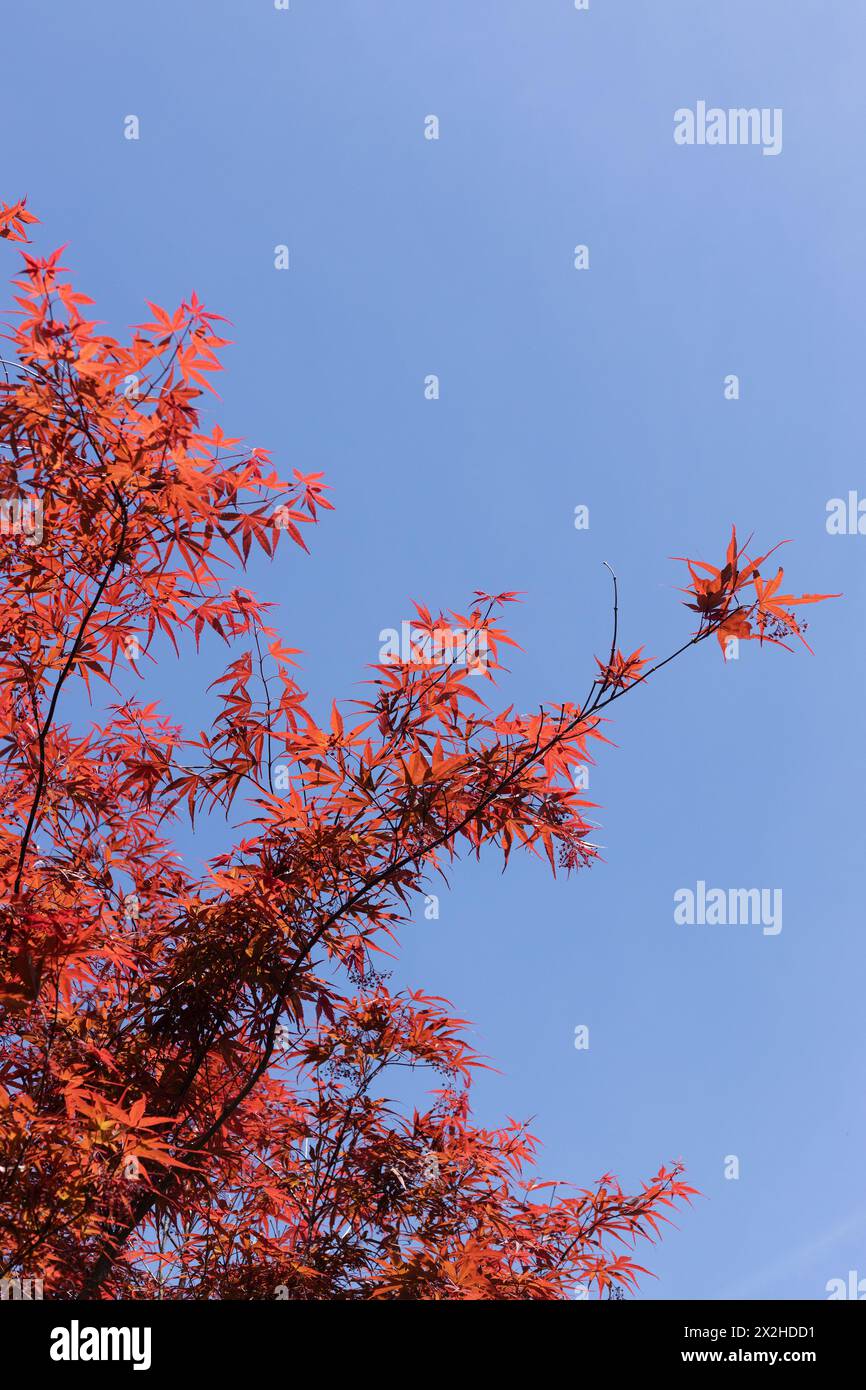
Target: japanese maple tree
194,1070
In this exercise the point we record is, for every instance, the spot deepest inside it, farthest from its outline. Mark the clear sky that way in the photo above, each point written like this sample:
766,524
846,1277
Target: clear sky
603,387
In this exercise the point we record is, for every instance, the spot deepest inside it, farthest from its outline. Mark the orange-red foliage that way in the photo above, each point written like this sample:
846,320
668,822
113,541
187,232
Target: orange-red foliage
194,1070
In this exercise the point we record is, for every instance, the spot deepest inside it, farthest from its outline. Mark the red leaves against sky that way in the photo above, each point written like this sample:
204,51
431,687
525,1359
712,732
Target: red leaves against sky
194,1069
736,601
14,219
621,670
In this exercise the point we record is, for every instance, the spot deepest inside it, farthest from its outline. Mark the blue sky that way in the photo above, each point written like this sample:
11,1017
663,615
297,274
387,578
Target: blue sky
602,387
